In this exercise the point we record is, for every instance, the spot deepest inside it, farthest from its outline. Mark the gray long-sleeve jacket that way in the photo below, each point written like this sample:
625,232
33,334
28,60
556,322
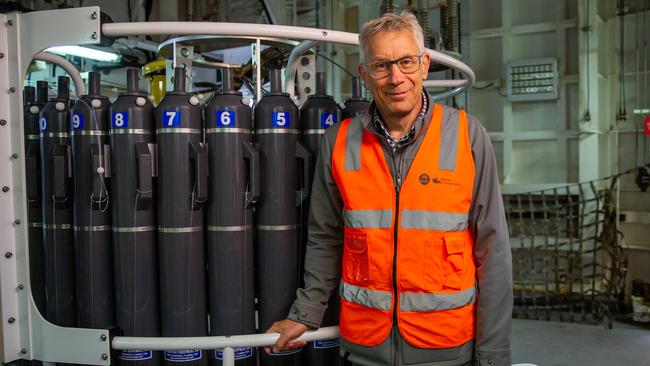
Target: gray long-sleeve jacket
492,256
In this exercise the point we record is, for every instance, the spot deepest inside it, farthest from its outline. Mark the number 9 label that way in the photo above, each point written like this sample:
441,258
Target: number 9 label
281,119
225,118
120,120
77,121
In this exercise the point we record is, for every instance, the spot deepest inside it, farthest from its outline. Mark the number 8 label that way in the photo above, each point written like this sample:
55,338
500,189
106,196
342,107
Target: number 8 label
225,118
120,120
281,119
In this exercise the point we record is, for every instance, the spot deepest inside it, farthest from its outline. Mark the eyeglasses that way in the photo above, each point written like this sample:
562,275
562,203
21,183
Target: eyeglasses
406,64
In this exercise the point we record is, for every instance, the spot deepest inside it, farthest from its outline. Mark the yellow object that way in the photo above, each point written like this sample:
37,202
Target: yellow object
154,71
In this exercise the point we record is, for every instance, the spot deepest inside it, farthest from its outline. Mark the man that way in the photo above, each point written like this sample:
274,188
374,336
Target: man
407,218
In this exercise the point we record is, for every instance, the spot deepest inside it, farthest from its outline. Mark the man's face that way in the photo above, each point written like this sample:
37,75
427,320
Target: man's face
396,94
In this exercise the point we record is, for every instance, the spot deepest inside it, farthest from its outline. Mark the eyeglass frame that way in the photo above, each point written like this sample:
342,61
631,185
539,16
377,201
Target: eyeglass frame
394,62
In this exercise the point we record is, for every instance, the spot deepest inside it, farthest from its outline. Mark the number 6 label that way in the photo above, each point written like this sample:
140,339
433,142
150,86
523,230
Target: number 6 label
281,119
120,120
171,118
225,118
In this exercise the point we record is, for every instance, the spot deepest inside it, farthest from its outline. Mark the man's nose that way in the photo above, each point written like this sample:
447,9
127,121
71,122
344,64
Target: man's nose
396,75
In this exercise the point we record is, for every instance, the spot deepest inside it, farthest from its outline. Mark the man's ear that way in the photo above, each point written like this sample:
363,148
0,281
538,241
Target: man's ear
426,60
362,73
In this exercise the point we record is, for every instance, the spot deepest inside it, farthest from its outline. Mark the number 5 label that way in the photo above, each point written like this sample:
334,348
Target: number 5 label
171,118
120,120
225,118
281,119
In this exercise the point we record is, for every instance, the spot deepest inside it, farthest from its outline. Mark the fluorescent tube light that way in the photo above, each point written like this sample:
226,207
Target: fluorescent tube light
85,52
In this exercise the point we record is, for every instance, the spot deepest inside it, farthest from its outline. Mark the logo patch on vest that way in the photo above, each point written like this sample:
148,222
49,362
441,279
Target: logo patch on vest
424,178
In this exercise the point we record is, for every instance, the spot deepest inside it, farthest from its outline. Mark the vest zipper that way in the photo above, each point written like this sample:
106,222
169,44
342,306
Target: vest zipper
398,185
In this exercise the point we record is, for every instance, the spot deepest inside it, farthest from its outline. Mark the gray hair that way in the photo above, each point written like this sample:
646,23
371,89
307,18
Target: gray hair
390,22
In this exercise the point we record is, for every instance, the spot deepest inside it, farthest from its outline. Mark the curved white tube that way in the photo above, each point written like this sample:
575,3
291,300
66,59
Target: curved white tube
80,88
269,30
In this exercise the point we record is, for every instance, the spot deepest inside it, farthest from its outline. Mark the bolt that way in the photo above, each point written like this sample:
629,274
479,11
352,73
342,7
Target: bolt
93,15
11,320
10,22
94,35
23,351
185,52
5,189
104,356
103,337
3,122
12,90
8,255
14,156
2,55
324,34
17,221
21,287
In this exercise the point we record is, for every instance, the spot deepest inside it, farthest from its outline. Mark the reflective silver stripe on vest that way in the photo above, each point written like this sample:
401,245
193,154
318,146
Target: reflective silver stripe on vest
448,139
368,219
429,220
353,145
412,301
381,300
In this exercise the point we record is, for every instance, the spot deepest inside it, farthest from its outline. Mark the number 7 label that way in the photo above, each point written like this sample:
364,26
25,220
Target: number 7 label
171,118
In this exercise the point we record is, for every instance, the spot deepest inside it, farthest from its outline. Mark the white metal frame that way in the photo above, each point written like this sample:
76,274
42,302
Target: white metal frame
24,332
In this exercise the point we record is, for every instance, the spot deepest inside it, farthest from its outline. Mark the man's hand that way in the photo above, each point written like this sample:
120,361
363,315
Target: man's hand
288,330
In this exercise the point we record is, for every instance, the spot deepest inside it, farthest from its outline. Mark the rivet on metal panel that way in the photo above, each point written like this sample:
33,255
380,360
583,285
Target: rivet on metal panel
11,320
94,35
3,122
5,189
17,221
21,287
104,356
2,55
8,255
14,156
10,22
93,15
12,90
23,351
324,33
103,337
185,52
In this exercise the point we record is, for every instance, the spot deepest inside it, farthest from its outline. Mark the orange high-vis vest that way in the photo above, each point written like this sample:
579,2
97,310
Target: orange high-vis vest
408,253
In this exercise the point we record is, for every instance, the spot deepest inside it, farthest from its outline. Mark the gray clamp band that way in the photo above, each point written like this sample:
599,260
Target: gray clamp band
54,134
277,227
178,130
133,229
130,131
228,130
230,228
35,224
314,131
176,230
57,226
92,228
291,131
32,137
89,133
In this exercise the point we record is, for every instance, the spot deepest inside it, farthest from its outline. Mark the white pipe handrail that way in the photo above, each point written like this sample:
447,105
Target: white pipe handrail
280,31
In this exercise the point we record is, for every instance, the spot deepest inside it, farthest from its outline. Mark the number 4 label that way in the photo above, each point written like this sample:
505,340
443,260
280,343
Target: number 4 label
327,119
171,118
281,119
225,118
120,120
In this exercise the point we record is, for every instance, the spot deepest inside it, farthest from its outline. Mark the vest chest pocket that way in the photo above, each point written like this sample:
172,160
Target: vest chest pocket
355,258
455,247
